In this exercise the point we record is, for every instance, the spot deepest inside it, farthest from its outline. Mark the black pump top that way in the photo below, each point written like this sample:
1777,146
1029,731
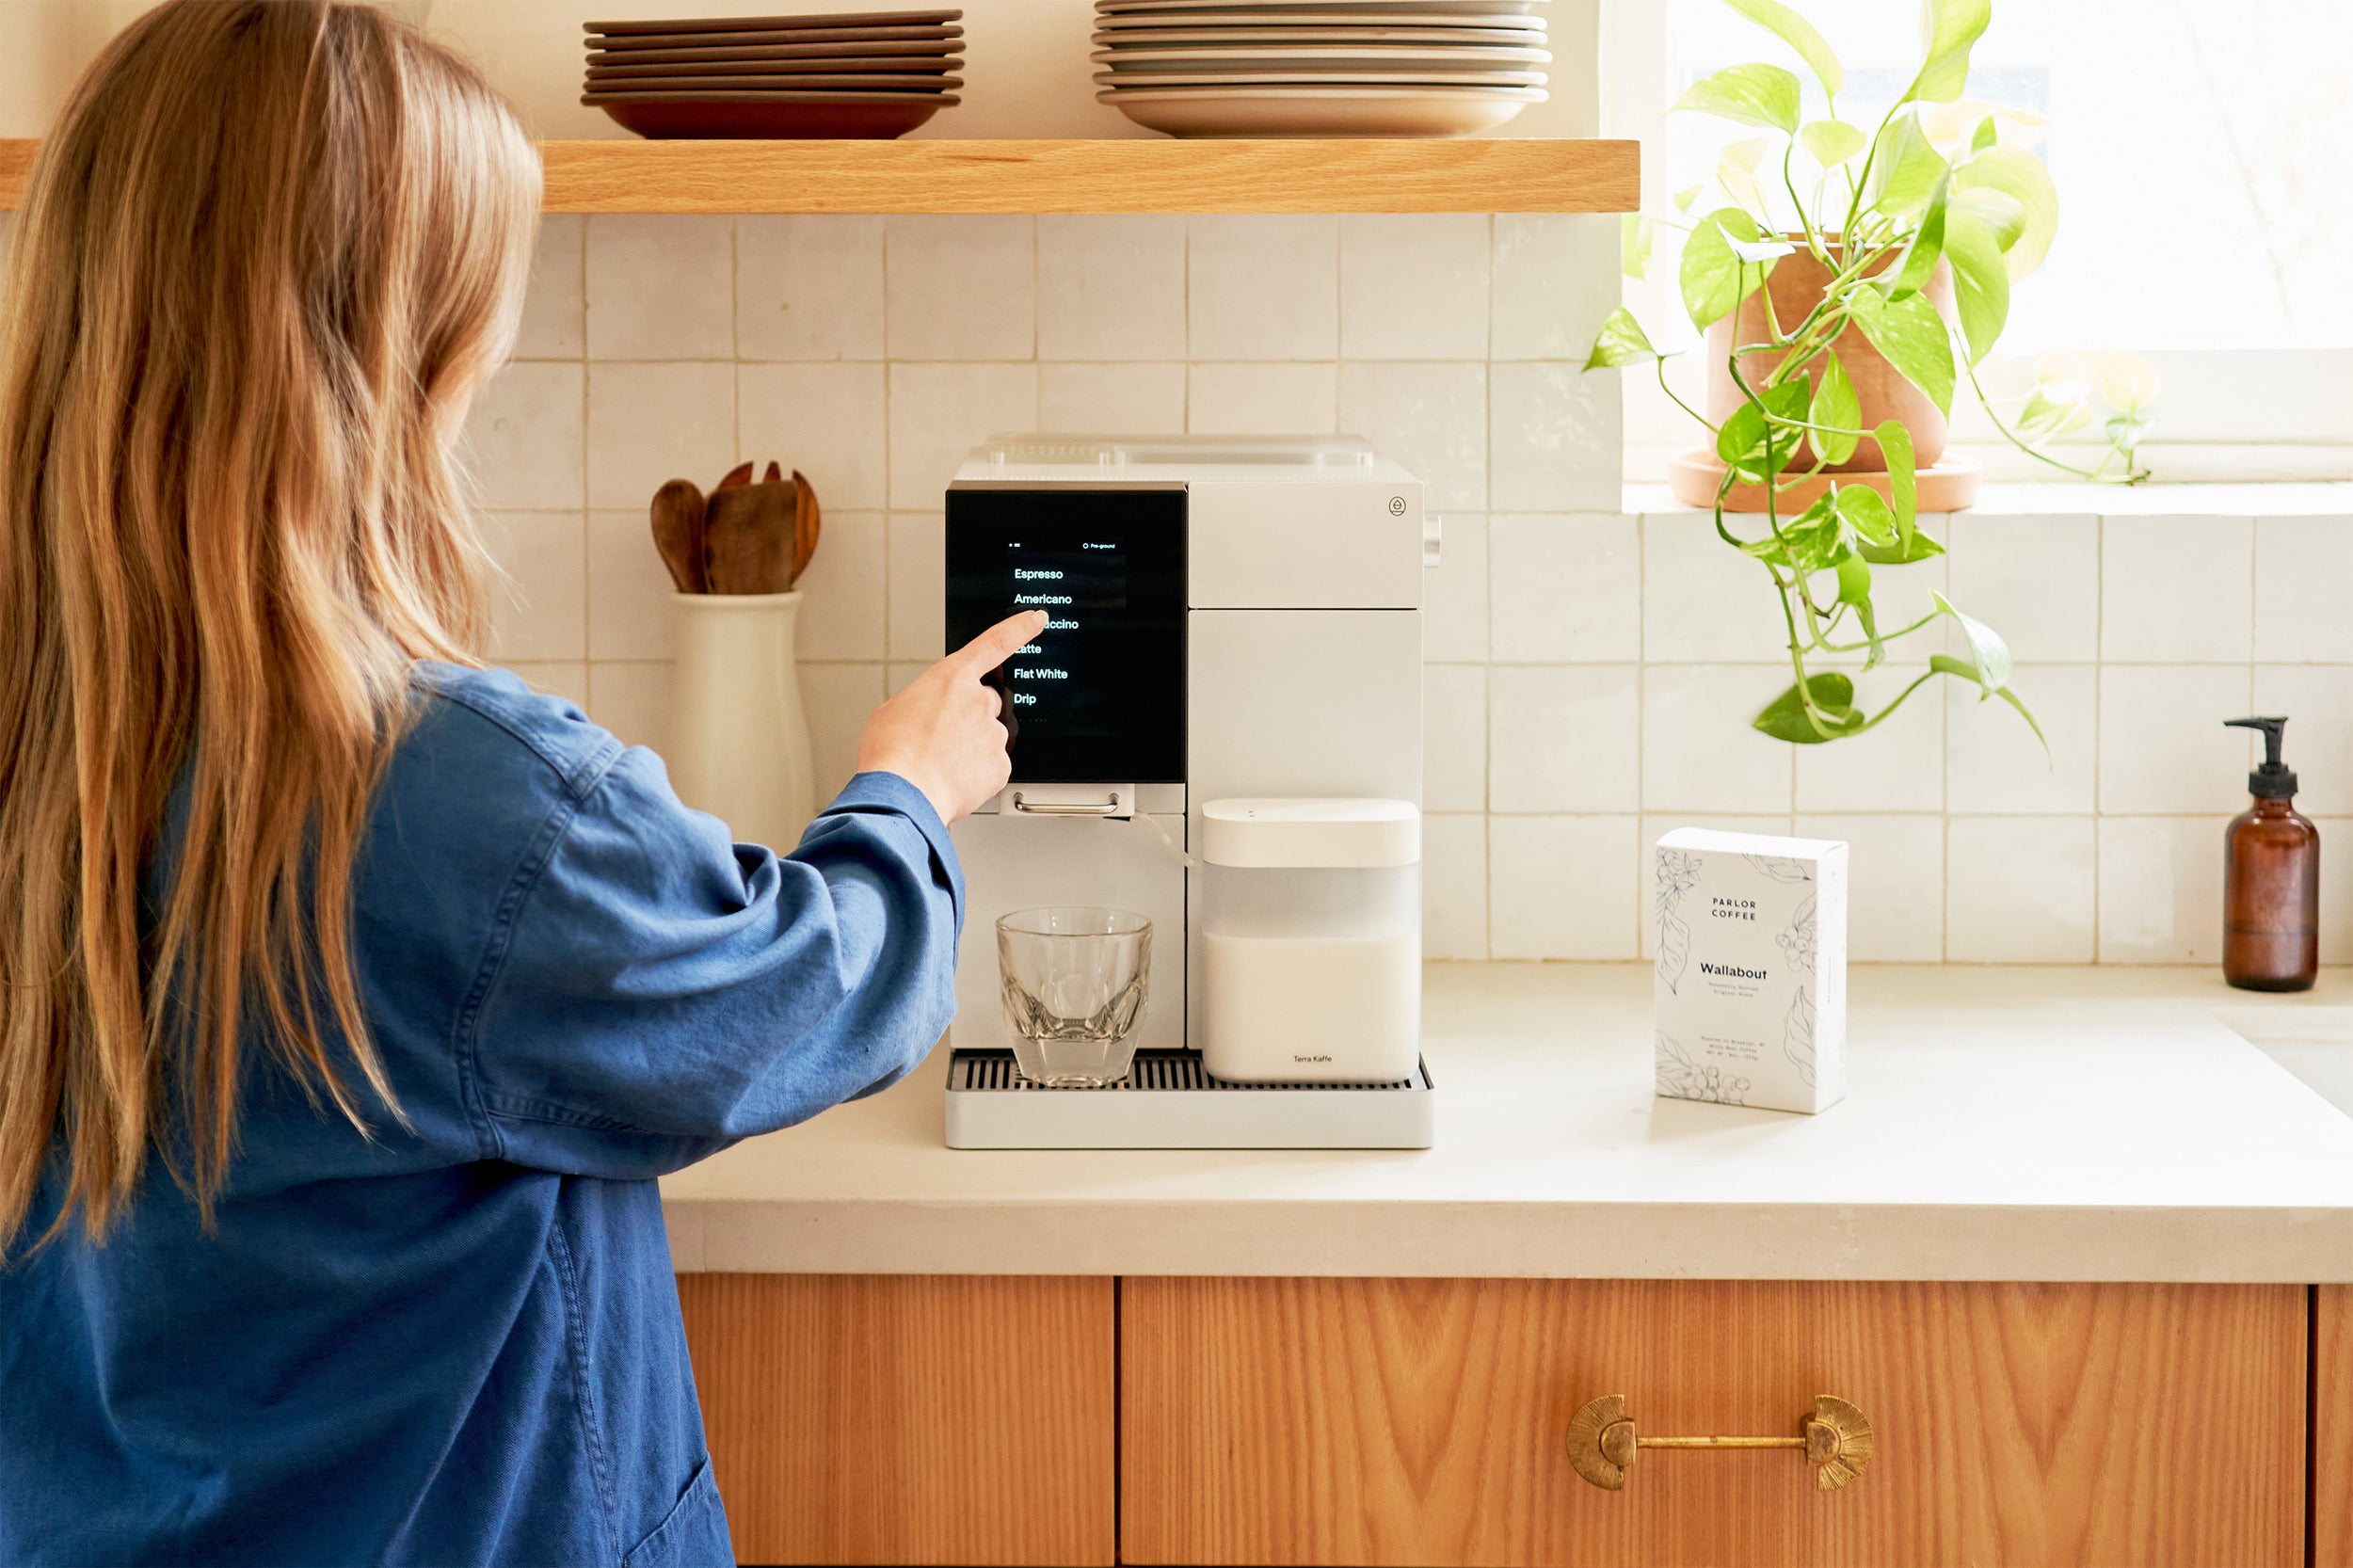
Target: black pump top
2275,780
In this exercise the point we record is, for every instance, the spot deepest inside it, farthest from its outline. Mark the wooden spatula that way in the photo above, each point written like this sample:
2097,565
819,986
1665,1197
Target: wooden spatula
678,534
748,540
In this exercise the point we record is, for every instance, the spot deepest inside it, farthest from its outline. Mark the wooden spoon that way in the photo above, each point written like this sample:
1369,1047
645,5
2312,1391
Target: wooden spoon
748,540
738,477
678,534
805,523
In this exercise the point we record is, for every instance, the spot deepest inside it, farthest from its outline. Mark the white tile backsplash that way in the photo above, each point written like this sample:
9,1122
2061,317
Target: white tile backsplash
1263,287
1414,285
960,287
1628,653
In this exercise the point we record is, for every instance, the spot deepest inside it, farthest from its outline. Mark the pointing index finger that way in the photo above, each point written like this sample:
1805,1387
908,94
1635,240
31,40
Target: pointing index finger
993,647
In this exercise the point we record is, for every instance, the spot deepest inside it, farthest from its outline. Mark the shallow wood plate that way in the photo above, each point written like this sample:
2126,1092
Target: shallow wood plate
864,81
776,23
770,115
932,65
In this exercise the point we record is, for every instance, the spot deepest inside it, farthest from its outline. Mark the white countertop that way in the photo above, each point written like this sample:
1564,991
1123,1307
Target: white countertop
2063,1124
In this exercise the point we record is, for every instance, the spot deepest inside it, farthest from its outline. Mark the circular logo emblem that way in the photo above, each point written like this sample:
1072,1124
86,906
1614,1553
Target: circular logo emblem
1397,505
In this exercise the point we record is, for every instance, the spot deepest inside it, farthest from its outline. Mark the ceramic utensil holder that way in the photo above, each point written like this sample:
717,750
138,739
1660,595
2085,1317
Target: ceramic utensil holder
740,743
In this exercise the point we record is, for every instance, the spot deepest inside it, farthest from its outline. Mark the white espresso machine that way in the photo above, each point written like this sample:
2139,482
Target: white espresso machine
1234,620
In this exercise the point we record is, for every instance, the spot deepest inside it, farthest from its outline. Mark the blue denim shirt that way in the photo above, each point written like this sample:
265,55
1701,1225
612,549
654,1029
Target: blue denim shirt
460,1342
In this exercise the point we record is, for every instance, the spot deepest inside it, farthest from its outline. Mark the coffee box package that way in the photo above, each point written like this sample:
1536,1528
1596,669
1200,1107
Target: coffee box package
1750,995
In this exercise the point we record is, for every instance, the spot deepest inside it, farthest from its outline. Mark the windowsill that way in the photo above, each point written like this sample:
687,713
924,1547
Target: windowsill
2235,500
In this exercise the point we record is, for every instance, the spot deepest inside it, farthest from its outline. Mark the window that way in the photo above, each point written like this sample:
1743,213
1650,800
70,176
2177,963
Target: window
2203,157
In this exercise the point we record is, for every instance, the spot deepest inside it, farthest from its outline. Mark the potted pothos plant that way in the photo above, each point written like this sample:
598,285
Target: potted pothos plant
1843,319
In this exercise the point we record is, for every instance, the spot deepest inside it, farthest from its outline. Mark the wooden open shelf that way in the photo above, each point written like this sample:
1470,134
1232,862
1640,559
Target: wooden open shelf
1137,176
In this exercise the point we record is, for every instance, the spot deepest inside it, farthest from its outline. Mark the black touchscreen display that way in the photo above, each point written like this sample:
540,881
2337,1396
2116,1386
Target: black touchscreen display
1099,697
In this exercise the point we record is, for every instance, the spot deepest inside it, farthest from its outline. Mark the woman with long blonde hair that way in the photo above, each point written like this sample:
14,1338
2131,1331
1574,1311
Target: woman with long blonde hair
351,996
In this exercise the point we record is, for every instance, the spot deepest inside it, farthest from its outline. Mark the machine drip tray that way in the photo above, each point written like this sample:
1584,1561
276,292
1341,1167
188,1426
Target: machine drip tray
1167,1102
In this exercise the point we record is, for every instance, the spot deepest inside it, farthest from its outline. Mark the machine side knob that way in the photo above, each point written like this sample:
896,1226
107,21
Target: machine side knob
1432,537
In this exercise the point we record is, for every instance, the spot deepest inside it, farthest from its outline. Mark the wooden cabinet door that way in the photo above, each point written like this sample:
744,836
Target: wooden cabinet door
2333,1426
908,1419
1422,1421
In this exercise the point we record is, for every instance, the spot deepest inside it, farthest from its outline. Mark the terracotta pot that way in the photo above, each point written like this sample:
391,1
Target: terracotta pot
1795,285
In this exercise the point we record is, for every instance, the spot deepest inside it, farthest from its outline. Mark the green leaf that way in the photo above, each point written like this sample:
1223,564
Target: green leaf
2018,174
1854,589
1945,664
1742,442
1832,142
1761,253
1799,33
1812,541
1985,135
1913,336
1636,230
1754,94
1833,698
2128,432
1622,341
1684,198
1867,513
1912,551
1906,168
1980,281
1902,491
1953,27
1836,407
2044,416
1714,280
1988,653
1926,245
2001,216
2128,381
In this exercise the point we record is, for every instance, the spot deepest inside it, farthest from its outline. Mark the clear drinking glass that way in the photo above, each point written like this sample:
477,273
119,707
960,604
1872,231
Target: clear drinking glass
1074,981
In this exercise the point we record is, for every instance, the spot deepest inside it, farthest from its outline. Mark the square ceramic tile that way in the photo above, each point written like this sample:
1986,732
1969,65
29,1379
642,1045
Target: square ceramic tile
1454,738
939,413
1656,827
1454,593
1263,287
1704,602
1128,399
552,324
2336,896
1700,752
1414,285
842,605
1563,738
2161,889
960,286
1454,886
2162,747
1556,282
523,438
2018,889
1110,287
1262,399
2302,570
2318,702
918,579
839,699
630,612
651,423
538,602
827,421
1565,588
1994,765
2177,590
2036,580
1432,418
1895,883
660,286
1898,766
1553,439
567,679
1562,887
634,700
809,287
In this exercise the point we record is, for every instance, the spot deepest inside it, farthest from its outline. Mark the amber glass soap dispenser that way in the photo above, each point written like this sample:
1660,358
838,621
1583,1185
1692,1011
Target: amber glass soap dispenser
2271,880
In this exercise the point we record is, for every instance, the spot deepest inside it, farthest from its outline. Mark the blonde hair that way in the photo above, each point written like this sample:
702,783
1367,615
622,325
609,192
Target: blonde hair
265,257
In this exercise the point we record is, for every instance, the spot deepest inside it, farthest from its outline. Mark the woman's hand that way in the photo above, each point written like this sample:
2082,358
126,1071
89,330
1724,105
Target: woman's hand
942,734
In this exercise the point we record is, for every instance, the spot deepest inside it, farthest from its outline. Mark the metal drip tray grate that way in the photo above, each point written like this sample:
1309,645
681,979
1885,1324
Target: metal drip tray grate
973,1070
1167,1102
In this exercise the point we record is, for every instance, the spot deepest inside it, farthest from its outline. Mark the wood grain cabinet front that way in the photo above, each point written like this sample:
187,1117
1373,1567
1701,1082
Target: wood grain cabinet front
1423,1421
2333,1426
908,1419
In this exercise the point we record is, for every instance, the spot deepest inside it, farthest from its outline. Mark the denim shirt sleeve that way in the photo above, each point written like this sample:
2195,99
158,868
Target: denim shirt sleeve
660,992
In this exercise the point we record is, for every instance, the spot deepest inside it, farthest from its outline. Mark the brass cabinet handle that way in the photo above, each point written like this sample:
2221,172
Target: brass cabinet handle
1837,1440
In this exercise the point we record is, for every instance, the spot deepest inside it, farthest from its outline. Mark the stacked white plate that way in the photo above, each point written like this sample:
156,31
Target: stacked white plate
1319,67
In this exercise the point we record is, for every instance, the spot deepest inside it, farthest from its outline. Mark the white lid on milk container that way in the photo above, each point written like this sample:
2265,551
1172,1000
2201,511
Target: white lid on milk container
1318,833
